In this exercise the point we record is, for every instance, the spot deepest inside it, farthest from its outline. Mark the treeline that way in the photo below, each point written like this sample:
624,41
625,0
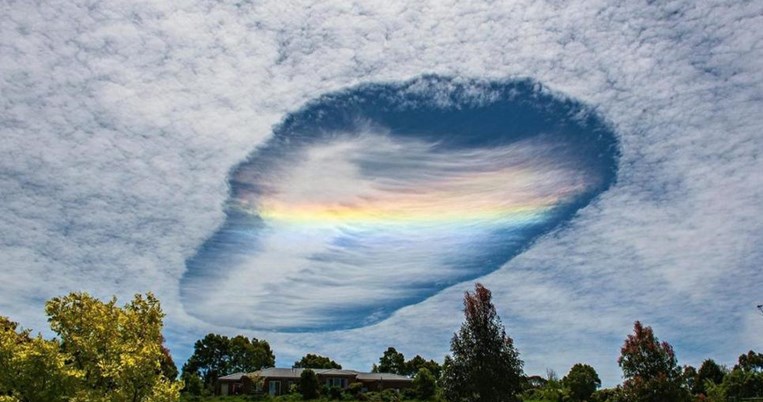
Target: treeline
104,352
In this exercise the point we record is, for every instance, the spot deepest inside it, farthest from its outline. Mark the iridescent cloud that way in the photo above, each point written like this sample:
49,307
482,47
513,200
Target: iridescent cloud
376,198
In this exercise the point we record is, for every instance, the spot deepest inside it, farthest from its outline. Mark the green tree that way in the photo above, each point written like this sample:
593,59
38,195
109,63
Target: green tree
650,368
118,351
417,363
485,365
582,381
751,361
248,355
425,384
308,384
391,361
709,371
194,385
216,355
689,376
316,361
744,381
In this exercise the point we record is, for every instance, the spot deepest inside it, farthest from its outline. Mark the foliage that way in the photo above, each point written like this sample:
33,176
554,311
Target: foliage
33,369
650,368
194,385
485,365
425,384
308,384
751,361
216,355
394,362
549,389
391,361
744,381
582,381
689,378
709,371
417,363
117,350
105,353
168,367
316,361
609,395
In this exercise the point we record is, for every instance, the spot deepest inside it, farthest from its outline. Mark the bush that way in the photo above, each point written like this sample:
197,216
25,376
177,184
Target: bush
308,384
355,389
335,393
424,384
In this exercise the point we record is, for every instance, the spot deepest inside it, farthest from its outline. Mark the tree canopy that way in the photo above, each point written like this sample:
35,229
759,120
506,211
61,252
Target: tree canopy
216,355
316,361
650,368
485,365
103,353
582,381
391,361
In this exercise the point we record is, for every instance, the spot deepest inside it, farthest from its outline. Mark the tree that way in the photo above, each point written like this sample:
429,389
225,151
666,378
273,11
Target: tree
116,351
424,383
316,361
248,355
582,381
32,368
417,363
216,355
751,361
709,371
168,367
308,384
745,380
391,361
103,353
485,365
650,368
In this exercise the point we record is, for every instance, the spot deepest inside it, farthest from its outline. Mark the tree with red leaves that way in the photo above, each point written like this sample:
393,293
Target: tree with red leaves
650,368
485,366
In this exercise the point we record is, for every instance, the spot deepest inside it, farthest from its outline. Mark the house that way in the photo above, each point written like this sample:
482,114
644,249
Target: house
278,381
232,384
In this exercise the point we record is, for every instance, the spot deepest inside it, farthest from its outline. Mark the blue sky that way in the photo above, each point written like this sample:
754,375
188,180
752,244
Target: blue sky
122,122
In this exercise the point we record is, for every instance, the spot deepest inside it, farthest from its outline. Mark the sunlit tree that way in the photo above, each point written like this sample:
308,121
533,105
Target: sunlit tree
118,350
103,353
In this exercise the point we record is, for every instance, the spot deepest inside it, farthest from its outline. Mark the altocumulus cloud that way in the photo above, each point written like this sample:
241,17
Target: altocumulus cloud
121,121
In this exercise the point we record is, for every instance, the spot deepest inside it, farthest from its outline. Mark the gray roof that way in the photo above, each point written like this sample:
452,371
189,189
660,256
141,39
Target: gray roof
232,377
382,377
296,372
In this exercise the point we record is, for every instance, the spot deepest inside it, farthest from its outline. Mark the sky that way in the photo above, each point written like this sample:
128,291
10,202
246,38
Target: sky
332,176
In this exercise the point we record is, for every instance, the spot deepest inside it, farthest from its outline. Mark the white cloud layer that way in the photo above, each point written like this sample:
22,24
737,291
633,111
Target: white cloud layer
121,119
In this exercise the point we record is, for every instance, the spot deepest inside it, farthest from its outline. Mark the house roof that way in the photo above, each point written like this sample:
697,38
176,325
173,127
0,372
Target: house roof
295,373
381,377
232,377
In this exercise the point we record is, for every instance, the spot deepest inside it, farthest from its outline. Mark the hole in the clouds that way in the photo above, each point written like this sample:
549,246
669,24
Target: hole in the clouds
378,197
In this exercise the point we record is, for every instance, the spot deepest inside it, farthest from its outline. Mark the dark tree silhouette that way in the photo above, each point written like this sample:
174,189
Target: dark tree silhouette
485,366
316,361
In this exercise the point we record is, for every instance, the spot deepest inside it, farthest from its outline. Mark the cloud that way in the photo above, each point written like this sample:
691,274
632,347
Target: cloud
121,122
339,220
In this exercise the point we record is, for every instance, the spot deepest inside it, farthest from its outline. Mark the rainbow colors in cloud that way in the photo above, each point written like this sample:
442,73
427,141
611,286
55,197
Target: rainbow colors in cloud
370,200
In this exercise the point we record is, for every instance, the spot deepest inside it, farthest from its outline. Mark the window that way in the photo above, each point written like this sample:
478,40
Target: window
336,382
274,387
